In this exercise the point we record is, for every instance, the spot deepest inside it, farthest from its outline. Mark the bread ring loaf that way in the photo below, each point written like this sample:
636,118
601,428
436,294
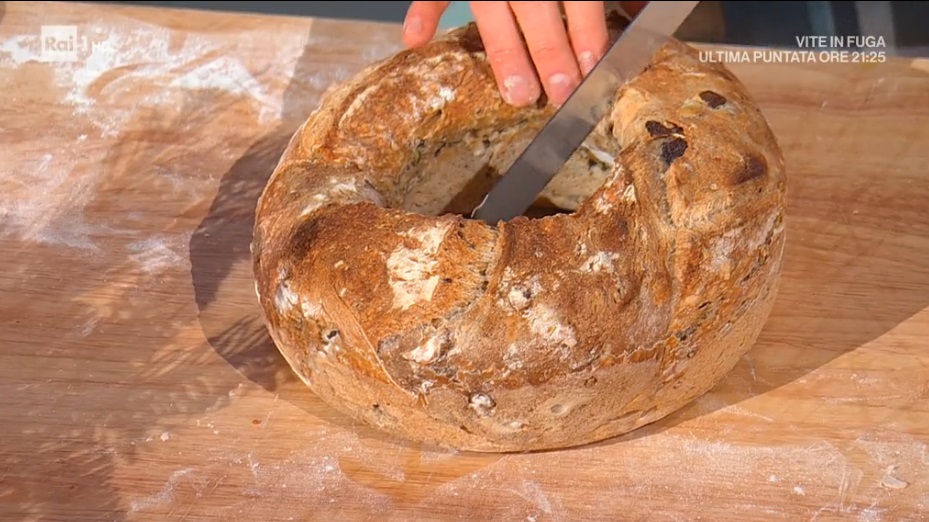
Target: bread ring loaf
536,333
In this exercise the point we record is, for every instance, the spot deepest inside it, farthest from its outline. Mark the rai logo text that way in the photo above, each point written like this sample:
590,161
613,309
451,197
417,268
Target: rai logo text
62,43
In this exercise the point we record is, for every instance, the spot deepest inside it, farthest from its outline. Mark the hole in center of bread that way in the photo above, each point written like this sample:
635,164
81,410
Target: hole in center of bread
452,176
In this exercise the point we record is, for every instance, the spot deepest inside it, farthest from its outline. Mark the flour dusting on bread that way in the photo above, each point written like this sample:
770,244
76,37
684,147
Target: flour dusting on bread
413,276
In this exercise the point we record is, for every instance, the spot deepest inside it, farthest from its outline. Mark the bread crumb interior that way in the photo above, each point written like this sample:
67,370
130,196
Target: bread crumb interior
452,176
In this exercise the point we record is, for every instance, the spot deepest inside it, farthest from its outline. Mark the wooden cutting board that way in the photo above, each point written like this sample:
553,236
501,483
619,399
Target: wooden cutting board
137,381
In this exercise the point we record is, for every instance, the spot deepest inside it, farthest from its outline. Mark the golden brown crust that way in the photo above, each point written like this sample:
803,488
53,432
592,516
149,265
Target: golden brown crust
539,333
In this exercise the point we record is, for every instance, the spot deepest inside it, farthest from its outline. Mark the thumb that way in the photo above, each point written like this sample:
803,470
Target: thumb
422,20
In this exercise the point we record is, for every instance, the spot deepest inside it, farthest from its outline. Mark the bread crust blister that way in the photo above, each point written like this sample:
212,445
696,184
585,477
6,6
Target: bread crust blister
537,333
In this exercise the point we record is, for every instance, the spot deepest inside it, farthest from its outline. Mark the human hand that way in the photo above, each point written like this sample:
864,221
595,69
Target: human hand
557,57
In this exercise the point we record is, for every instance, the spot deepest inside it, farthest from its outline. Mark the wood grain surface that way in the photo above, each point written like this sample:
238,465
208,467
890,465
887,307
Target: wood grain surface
137,381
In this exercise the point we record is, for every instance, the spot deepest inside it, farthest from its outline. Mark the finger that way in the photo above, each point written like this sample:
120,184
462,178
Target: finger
547,39
632,8
422,20
506,53
587,30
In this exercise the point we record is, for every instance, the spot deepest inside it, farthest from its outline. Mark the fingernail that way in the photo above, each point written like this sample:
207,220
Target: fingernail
587,62
413,26
518,91
560,87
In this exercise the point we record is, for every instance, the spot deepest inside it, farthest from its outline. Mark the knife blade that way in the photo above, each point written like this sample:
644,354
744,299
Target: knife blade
576,119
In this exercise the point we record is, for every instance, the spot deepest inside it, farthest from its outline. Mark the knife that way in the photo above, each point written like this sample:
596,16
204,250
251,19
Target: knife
575,120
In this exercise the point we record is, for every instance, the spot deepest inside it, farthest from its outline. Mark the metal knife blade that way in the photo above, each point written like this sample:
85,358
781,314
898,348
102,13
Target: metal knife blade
581,113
